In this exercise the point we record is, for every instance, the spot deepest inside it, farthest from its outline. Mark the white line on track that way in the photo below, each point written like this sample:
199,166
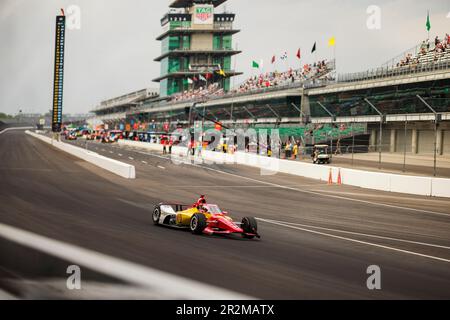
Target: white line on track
384,196
161,167
359,234
152,279
306,191
144,162
229,186
131,158
355,241
15,128
325,195
120,154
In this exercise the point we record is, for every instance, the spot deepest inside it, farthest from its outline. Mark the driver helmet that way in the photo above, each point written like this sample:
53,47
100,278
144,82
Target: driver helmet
201,201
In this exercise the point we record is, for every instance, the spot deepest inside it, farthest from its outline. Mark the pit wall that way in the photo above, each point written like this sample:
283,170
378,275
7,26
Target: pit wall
119,168
416,185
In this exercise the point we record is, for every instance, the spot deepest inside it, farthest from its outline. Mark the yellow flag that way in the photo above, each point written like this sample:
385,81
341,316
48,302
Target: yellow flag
222,73
332,42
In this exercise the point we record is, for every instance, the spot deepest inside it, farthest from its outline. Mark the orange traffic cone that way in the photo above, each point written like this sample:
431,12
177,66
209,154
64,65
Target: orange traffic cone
339,180
330,178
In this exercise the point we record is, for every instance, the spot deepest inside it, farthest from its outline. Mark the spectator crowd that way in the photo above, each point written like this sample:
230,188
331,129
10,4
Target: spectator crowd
441,46
275,79
258,82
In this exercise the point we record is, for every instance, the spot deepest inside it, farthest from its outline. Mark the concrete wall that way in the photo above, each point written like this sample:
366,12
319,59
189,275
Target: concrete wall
202,41
401,142
419,140
426,142
446,142
121,169
416,185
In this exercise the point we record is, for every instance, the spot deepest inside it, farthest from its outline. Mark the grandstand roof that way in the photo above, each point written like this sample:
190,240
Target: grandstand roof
190,3
184,74
196,31
179,52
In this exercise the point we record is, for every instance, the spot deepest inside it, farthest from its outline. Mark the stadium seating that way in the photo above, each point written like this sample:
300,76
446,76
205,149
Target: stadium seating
321,133
318,70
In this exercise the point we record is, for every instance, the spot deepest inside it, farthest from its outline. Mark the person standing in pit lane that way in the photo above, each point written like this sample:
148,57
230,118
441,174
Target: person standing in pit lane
164,143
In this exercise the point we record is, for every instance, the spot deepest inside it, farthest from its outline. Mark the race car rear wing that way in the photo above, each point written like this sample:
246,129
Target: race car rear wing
176,206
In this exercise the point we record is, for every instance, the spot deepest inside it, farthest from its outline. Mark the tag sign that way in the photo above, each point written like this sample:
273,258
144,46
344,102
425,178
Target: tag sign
204,14
58,76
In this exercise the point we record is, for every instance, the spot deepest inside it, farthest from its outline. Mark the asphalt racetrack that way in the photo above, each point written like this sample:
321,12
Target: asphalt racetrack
317,240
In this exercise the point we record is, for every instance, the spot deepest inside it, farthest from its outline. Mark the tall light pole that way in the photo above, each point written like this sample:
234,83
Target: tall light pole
380,140
333,119
404,143
436,120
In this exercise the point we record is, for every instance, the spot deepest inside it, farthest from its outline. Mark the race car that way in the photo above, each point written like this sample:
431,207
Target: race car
203,218
70,136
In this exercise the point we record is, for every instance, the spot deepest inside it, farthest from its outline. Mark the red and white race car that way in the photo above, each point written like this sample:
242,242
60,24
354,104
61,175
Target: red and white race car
203,218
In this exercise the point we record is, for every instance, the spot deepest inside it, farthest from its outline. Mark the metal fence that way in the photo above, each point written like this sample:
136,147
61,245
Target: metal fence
389,72
401,148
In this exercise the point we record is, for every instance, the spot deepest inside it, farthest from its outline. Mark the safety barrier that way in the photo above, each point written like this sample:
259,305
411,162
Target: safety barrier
14,128
21,250
425,186
440,187
119,168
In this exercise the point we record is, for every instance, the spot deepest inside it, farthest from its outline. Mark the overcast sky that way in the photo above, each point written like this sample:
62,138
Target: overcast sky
113,52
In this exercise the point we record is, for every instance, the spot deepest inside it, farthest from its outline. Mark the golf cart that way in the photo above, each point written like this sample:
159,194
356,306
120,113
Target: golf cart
320,154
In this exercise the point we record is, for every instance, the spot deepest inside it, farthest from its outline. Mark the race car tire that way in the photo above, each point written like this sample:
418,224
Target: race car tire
198,223
156,215
249,225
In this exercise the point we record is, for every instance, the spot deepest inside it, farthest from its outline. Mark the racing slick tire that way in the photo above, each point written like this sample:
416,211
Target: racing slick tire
156,215
249,225
198,223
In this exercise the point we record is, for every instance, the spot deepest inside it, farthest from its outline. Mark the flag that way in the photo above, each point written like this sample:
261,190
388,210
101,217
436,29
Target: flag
314,48
332,42
222,73
428,25
255,64
189,80
209,76
202,78
195,79
299,54
273,59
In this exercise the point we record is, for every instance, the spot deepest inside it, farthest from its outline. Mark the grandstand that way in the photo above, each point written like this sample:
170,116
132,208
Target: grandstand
309,103
116,108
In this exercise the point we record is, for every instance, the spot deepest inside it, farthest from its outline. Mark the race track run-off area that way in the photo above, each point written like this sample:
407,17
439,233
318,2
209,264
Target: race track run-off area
317,241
